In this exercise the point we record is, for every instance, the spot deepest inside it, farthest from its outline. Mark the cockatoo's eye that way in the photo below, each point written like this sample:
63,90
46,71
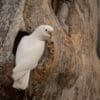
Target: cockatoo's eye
48,32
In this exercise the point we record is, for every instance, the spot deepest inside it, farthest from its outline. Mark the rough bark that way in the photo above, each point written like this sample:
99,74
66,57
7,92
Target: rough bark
69,69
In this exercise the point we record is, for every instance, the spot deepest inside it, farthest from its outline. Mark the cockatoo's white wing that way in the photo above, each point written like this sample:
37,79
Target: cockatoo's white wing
28,54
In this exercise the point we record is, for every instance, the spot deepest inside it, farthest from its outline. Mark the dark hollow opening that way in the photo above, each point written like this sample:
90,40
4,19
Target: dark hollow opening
98,35
18,38
98,43
57,4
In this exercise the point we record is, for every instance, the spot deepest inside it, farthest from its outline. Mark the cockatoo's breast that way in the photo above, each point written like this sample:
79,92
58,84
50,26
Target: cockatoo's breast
30,50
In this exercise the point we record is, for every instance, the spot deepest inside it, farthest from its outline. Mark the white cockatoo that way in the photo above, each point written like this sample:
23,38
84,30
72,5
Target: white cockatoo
29,52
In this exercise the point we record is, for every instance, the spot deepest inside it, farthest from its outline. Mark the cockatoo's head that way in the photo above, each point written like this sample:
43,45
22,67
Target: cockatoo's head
44,32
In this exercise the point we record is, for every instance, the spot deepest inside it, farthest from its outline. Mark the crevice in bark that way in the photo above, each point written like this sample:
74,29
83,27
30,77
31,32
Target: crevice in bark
62,11
98,34
98,42
18,38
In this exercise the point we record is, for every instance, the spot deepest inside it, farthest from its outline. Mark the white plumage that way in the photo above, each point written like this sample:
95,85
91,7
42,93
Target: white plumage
29,52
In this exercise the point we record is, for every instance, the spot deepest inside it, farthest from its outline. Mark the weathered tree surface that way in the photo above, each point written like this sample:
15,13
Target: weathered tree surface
70,66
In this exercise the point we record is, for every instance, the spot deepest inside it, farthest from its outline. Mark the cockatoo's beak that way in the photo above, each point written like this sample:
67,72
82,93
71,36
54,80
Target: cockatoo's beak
50,33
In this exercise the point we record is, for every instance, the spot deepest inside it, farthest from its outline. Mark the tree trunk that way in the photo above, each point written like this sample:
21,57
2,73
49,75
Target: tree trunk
69,68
